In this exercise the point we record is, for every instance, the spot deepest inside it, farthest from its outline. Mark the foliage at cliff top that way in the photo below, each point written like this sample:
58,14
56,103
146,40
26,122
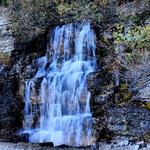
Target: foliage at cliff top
35,15
72,9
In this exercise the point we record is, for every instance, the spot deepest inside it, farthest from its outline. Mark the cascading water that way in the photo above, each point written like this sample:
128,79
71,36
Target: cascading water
57,102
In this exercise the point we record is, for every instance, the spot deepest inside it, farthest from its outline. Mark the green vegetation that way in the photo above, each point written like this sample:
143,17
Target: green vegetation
32,16
79,10
136,39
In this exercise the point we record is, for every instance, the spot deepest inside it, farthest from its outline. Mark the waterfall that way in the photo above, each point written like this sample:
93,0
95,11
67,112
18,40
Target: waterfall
57,102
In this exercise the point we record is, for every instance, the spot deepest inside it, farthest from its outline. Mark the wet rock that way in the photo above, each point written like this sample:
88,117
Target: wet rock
47,144
28,146
101,86
23,137
118,143
99,80
9,106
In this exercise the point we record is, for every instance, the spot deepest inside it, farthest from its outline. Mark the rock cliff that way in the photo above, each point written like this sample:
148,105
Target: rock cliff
119,87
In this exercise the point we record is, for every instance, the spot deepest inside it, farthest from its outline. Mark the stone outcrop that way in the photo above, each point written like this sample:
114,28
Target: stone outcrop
119,143
10,113
114,111
133,8
6,39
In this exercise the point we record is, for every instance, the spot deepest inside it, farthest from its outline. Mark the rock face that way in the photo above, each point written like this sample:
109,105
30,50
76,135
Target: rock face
15,65
9,109
134,7
130,121
114,112
6,38
118,108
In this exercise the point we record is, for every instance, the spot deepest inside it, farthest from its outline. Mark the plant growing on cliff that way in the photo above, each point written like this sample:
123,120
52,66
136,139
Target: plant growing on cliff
136,37
79,10
30,17
137,42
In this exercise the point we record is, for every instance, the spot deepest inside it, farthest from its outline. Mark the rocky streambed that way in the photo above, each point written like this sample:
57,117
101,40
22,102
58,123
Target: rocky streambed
119,143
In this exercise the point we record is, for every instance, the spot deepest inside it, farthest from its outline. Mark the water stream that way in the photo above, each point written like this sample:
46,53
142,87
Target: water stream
57,102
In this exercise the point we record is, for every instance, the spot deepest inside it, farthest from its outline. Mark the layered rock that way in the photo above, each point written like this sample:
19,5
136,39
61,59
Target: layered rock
9,105
6,38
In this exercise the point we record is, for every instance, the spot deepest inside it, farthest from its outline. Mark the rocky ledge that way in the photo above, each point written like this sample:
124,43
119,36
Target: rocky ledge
119,143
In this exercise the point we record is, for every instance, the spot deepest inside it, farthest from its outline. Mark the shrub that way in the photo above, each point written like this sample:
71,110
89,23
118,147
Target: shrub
136,37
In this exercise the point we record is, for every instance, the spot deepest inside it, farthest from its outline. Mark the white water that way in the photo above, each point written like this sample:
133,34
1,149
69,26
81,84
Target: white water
63,101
